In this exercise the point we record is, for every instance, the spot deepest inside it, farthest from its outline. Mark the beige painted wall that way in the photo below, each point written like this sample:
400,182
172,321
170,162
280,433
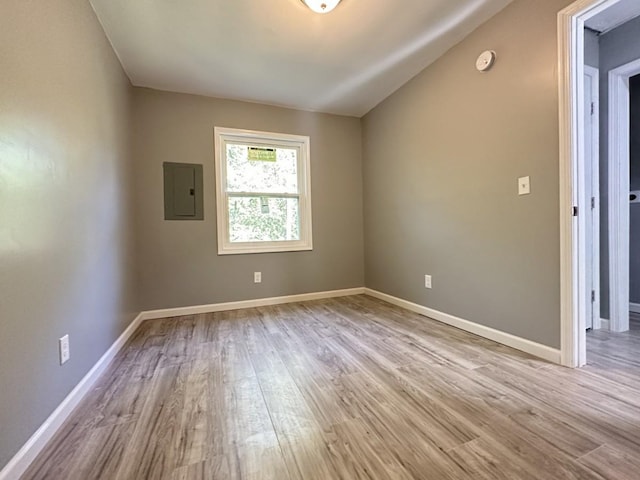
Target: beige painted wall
442,157
64,242
177,261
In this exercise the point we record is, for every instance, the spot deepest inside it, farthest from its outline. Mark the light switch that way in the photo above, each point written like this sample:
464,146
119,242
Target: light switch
524,186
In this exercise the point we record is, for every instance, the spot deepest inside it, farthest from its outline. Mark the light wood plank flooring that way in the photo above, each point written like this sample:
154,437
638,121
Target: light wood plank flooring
349,388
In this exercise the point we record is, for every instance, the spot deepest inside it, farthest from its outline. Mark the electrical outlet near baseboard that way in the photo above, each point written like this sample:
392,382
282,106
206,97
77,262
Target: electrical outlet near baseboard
427,281
257,277
65,352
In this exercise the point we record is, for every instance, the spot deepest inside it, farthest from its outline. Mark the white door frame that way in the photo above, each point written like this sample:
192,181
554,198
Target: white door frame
594,192
619,187
574,298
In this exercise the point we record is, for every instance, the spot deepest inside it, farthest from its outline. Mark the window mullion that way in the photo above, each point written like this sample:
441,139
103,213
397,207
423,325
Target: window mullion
263,194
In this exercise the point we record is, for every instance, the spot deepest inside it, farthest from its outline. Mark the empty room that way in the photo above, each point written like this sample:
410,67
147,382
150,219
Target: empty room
318,239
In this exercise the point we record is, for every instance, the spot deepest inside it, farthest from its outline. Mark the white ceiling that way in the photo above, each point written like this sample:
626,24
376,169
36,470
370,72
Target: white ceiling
614,16
281,53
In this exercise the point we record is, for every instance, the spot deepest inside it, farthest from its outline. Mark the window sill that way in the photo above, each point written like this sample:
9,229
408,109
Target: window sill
248,249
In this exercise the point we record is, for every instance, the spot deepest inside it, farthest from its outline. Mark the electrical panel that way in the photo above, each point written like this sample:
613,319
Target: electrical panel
183,196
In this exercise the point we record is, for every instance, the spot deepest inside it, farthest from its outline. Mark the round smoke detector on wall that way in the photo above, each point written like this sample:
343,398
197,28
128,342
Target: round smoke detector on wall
486,60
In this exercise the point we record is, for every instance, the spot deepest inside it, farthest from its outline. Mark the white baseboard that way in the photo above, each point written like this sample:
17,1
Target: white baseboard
597,323
605,324
259,302
21,461
522,344
634,307
30,450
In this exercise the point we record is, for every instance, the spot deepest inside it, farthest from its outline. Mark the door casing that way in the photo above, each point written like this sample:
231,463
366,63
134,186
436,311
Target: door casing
575,298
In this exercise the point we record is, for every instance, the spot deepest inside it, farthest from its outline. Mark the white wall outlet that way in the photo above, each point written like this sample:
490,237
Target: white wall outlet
524,186
427,281
65,352
257,277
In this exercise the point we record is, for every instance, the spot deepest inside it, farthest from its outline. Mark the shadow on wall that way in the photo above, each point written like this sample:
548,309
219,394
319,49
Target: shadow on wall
634,211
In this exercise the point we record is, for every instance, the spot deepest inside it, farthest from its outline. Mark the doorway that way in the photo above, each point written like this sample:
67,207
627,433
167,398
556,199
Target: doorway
576,179
592,191
634,203
619,193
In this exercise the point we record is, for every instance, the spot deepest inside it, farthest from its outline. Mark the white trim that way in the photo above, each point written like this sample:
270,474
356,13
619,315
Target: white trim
573,291
568,115
605,324
30,450
619,194
302,144
522,344
634,307
259,302
594,192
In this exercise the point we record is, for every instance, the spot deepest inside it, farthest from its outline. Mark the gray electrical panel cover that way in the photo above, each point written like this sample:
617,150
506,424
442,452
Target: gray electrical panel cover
183,196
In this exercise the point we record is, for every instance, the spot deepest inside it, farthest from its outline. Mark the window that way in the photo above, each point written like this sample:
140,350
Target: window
263,192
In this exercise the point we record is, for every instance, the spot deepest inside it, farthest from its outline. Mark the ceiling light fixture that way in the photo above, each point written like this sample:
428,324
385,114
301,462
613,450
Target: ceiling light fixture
321,6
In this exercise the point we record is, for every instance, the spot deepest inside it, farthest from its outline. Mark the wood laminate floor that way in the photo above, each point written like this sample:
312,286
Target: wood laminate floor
349,388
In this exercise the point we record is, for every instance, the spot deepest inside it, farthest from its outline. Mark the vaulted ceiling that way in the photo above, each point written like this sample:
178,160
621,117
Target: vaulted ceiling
281,53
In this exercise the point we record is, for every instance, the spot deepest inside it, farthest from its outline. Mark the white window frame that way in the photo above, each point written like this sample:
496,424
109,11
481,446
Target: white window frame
222,136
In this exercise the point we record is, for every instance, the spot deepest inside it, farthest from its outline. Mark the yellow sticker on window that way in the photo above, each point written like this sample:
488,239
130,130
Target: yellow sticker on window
262,154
